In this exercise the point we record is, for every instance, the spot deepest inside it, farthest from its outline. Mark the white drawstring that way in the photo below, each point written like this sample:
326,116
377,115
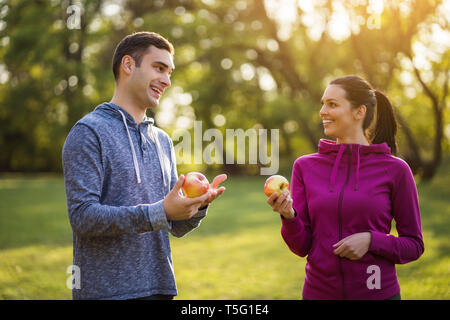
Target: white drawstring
159,152
136,165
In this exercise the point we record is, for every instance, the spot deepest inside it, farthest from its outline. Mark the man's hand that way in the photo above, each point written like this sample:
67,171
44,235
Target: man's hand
353,247
214,192
282,204
178,207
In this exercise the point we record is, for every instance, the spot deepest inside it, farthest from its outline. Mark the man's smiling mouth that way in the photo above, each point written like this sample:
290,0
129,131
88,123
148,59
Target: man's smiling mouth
157,90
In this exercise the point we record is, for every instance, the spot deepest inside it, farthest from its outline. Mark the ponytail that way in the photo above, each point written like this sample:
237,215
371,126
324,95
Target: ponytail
386,125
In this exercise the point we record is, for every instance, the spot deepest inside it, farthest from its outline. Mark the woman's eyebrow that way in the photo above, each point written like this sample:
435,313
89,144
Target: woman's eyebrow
327,100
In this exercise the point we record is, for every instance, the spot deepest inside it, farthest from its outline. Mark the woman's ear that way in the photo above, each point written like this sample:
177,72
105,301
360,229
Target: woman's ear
360,112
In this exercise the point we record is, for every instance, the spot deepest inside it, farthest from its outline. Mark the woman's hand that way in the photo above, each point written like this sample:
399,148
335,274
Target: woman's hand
282,204
353,247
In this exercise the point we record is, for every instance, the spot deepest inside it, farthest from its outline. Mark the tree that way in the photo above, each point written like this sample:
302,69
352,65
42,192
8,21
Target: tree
239,64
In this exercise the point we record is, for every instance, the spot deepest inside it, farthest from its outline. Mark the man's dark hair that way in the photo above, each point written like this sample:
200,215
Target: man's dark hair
136,45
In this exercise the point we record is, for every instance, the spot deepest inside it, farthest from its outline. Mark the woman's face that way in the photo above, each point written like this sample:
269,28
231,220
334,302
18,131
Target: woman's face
340,120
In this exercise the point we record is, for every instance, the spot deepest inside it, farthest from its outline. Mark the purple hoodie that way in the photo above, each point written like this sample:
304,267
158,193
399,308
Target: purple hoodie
346,189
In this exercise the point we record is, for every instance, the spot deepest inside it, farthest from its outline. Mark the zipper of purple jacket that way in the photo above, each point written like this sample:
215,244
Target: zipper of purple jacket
342,149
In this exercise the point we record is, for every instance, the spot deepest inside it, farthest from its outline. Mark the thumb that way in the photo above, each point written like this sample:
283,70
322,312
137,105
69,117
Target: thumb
178,184
199,199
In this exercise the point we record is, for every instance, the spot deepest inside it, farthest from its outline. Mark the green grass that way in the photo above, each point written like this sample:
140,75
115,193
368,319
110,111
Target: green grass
237,253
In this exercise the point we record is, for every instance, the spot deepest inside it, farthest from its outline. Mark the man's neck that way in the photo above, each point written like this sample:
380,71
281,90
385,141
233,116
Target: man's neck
136,112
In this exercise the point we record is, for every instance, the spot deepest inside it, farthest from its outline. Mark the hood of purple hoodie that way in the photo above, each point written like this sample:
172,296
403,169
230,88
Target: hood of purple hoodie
331,147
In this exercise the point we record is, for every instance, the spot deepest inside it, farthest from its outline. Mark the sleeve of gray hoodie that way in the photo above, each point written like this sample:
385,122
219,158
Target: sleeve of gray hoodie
83,177
182,227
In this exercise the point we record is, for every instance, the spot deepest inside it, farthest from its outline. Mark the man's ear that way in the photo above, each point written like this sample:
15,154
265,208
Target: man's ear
127,64
360,112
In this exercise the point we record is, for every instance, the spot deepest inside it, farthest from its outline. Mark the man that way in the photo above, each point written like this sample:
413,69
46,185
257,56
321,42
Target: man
123,194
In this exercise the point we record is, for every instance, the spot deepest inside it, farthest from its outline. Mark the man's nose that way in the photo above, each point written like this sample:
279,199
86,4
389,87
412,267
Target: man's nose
165,80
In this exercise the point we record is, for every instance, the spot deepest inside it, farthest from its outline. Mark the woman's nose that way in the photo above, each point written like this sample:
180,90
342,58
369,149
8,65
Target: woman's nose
322,111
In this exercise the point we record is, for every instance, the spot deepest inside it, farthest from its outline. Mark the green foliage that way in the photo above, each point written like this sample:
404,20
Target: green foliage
233,58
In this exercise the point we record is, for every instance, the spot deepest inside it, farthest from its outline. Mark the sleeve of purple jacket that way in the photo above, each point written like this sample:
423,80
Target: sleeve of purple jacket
296,232
408,246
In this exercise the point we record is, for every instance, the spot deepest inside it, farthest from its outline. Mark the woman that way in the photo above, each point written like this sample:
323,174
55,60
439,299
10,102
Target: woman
345,196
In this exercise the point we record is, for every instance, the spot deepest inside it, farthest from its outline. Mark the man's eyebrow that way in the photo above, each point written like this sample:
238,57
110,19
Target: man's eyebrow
164,65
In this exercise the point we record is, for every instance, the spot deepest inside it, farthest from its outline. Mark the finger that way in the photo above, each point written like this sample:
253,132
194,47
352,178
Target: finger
195,206
282,198
338,243
289,202
192,211
339,249
279,205
218,180
344,252
212,194
288,206
285,206
211,197
220,191
216,194
272,198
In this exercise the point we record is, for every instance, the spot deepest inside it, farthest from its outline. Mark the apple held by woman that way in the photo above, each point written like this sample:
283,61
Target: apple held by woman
196,184
276,184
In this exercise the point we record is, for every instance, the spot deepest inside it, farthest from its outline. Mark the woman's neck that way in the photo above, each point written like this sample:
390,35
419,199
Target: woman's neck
353,140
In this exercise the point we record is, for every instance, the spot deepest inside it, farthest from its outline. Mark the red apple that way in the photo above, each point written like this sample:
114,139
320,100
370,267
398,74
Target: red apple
276,184
195,184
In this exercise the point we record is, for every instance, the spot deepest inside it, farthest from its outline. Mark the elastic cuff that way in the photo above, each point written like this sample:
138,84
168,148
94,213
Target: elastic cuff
201,213
376,243
157,216
291,224
295,216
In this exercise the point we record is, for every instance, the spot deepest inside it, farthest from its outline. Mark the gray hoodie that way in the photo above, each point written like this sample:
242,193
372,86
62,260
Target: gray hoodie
116,175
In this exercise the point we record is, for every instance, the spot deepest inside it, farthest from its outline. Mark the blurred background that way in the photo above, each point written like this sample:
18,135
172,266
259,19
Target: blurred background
239,64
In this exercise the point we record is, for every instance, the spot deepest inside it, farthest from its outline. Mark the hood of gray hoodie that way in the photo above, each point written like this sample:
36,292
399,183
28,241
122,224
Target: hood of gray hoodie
148,124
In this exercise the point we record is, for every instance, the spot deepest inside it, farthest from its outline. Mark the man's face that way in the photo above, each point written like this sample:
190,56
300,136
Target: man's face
148,81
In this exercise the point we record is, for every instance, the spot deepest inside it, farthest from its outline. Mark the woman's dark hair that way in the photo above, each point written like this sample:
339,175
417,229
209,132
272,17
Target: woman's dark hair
360,92
136,45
